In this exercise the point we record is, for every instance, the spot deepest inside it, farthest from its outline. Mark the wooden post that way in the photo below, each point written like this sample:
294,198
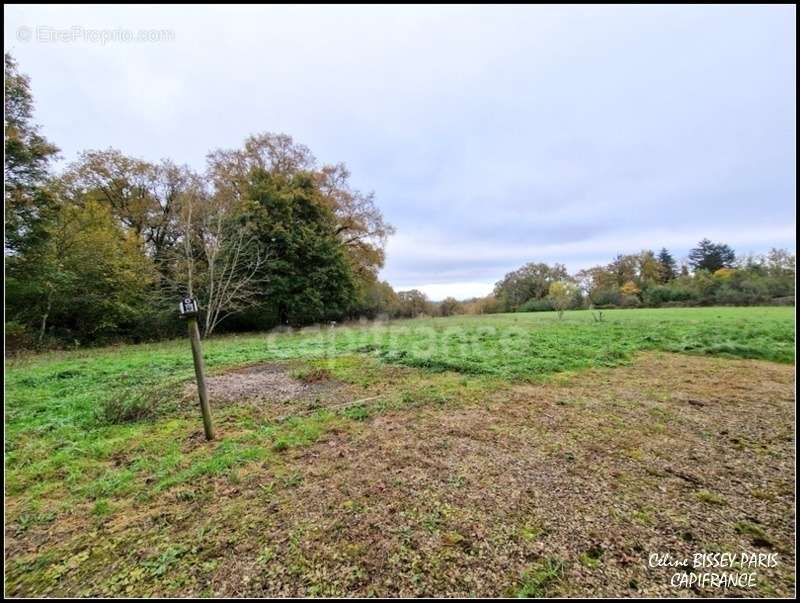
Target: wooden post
199,371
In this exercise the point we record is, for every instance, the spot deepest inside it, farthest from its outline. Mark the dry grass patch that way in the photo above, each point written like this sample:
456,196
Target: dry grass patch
539,490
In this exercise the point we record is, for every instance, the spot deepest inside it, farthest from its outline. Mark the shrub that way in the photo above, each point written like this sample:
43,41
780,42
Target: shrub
725,274
728,296
536,305
606,297
18,337
663,294
630,289
562,295
139,402
630,301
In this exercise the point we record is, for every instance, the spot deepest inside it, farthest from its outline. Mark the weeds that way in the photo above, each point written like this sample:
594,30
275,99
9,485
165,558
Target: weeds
541,579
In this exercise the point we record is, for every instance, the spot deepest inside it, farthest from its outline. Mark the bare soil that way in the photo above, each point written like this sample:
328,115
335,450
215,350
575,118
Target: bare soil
268,382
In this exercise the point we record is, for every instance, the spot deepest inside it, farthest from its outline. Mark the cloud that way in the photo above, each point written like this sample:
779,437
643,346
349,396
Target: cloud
492,135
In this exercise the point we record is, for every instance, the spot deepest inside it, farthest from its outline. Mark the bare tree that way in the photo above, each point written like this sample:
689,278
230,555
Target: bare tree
221,260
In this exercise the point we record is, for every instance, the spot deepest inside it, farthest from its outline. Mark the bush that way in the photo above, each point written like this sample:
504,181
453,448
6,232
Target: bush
18,337
139,402
630,301
728,296
606,297
536,305
664,294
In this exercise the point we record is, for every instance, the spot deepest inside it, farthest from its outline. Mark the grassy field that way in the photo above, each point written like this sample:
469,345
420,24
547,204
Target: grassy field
433,456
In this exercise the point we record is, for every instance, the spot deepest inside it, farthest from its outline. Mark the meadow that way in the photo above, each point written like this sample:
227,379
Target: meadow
354,482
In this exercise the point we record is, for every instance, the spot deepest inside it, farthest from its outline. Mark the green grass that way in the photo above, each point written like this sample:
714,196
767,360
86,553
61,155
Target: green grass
55,428
540,579
709,497
98,431
755,533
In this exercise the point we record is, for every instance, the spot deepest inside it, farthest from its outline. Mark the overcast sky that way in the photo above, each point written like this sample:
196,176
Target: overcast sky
492,136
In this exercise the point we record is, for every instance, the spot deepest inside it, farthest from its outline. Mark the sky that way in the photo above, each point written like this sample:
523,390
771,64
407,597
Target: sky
492,136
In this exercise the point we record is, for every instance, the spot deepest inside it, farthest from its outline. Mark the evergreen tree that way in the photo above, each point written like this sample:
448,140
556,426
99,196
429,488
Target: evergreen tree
668,267
711,256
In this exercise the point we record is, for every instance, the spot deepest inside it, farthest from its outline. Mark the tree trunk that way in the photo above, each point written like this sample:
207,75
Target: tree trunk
45,315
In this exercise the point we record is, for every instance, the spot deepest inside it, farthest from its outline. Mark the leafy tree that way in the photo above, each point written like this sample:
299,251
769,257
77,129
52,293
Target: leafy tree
667,266
780,262
561,295
725,274
711,256
375,298
360,225
359,222
308,277
450,306
87,279
624,269
531,281
143,196
414,303
649,268
630,288
27,160
482,305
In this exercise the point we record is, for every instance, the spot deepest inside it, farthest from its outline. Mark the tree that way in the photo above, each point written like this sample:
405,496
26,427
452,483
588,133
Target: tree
780,262
27,160
667,266
624,268
649,268
450,306
561,295
360,225
482,305
87,278
596,278
711,256
221,257
143,196
413,303
374,299
630,289
531,281
603,284
308,277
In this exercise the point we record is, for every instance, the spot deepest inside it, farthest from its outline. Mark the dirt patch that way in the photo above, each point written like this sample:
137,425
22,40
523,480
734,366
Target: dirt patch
266,382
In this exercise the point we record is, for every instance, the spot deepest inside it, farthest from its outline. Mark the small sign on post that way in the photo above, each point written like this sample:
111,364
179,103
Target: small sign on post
189,310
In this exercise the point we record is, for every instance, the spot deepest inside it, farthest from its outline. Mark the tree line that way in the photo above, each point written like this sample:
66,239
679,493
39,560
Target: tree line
264,235
712,274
